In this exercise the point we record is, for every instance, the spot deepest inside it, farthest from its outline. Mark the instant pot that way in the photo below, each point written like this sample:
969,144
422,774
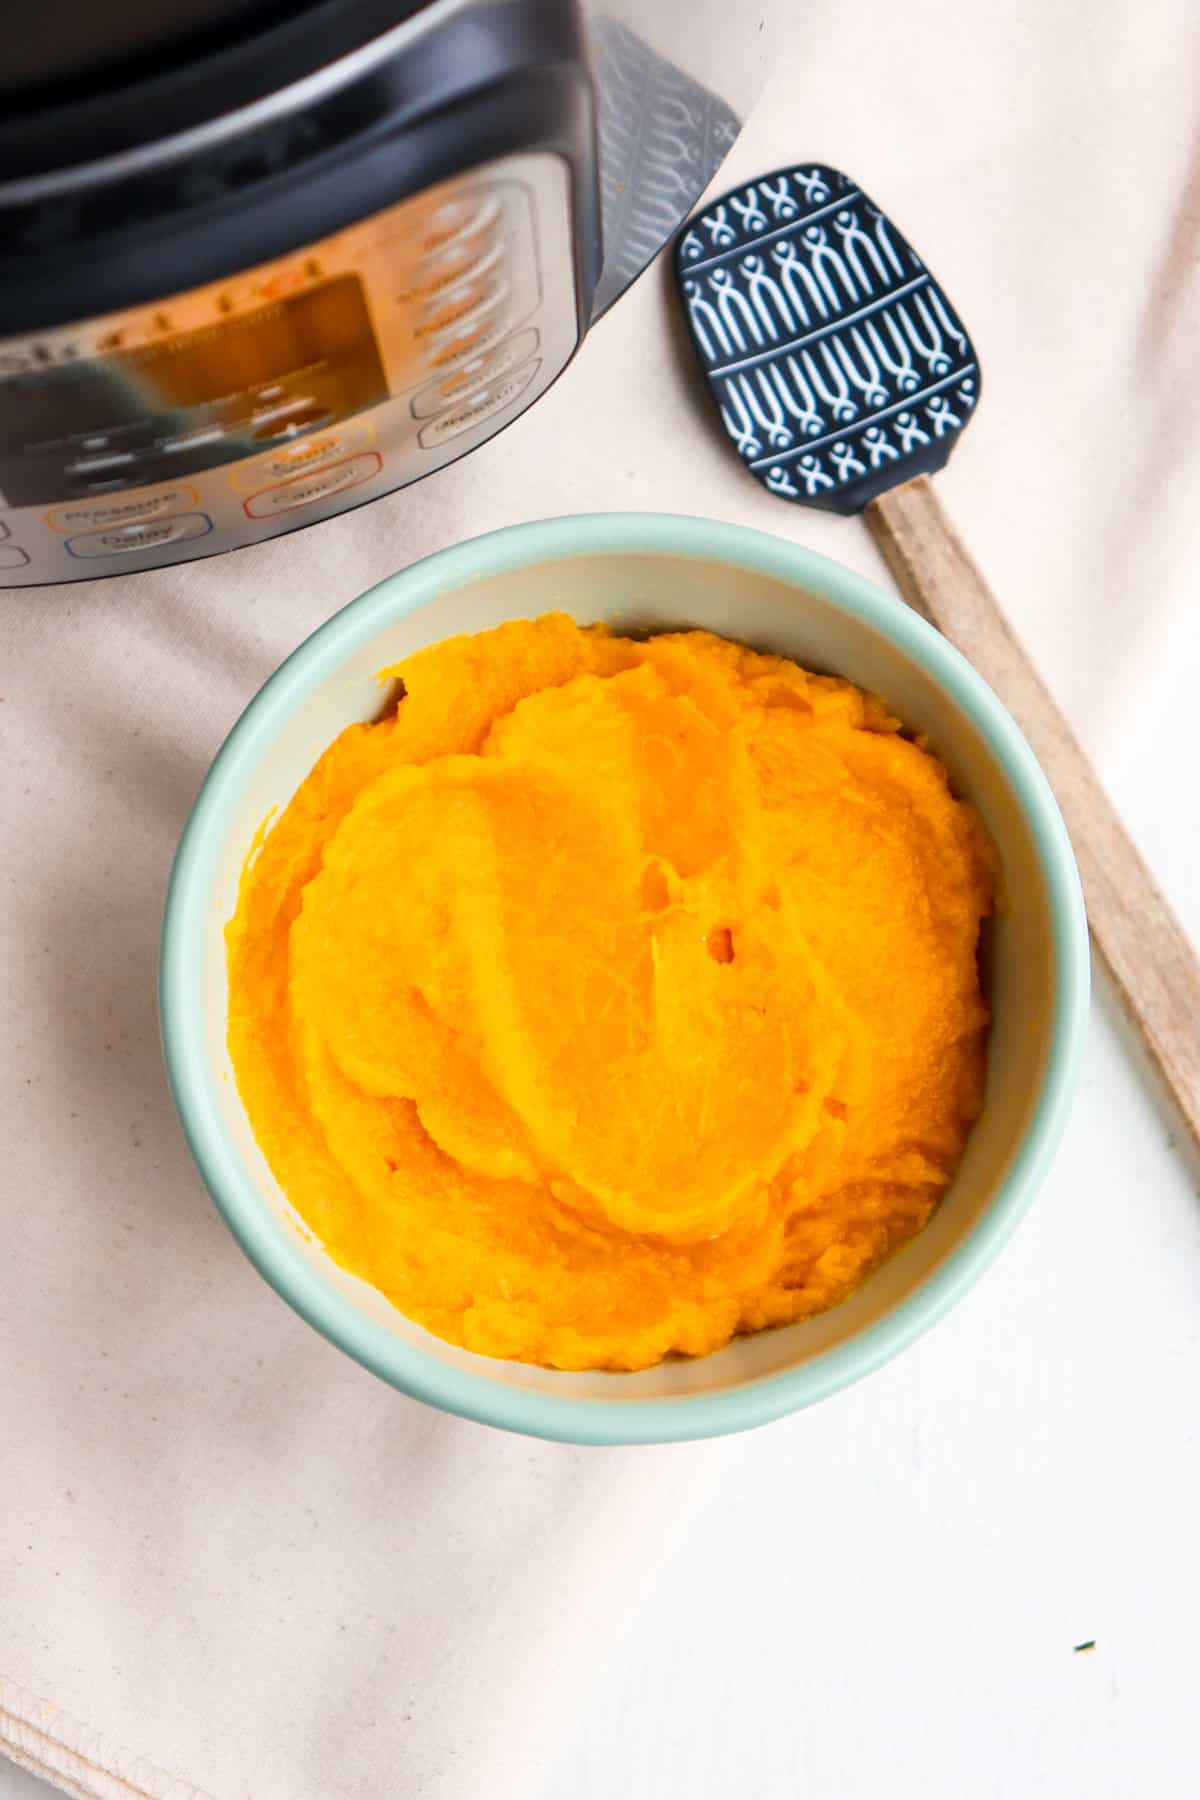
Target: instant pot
261,263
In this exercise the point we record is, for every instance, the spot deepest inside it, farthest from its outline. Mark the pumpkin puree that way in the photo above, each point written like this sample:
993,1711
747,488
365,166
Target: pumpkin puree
608,998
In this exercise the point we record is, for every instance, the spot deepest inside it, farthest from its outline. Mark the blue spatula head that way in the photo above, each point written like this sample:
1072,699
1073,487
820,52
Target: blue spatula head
839,366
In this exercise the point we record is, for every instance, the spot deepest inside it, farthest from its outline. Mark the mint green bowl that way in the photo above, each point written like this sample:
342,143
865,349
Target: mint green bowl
644,571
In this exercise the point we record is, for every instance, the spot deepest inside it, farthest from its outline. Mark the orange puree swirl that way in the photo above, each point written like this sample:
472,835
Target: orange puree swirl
608,998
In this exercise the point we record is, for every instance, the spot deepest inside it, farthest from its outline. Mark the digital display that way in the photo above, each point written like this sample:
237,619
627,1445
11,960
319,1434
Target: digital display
188,400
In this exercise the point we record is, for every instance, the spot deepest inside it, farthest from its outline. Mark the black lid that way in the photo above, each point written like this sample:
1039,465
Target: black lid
85,80
86,43
446,86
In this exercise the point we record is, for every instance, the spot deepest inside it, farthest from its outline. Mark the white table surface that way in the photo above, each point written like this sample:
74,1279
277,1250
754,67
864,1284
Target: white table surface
885,1595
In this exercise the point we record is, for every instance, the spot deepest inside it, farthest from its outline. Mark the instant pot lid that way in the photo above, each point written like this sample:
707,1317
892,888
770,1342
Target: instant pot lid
69,40
178,167
89,79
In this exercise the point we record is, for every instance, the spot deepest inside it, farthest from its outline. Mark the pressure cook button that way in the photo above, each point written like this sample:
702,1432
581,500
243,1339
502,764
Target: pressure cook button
130,509
477,407
12,556
308,490
151,534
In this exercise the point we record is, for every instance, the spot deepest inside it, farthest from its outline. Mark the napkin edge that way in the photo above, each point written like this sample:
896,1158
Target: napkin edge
39,1737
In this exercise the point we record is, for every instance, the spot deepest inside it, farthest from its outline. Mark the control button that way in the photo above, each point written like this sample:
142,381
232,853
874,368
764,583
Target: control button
146,536
12,556
127,511
462,216
468,262
470,343
454,258
488,366
307,490
458,311
477,407
305,454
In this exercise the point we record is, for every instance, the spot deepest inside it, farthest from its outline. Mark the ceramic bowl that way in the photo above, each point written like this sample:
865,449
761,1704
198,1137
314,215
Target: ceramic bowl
644,572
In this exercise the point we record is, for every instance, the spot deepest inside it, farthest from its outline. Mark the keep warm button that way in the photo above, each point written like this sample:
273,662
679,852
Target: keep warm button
307,490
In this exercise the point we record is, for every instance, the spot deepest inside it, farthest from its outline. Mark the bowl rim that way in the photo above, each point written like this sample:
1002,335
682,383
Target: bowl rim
265,1238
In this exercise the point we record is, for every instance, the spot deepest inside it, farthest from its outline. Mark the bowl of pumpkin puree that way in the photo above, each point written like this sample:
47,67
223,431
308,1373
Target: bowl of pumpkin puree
623,978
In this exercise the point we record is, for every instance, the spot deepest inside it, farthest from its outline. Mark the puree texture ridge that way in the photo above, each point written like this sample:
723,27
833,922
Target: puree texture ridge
607,998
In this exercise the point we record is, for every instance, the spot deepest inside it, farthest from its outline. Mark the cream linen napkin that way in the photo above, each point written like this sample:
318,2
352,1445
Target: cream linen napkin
225,1551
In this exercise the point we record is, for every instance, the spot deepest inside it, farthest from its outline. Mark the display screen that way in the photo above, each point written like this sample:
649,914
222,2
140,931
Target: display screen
189,400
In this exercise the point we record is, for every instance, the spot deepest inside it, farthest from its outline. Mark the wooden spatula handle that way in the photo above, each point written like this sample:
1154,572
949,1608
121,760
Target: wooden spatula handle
1138,940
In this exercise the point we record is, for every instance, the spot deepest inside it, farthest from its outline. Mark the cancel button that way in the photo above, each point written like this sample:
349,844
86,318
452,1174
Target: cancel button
307,490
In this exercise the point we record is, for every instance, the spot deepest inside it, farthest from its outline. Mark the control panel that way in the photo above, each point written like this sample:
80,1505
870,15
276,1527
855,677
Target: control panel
238,411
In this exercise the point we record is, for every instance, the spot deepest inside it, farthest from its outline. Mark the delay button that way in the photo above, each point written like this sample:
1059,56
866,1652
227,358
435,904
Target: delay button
148,535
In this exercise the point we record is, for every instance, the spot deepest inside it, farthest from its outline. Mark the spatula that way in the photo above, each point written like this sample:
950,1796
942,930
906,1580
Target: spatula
844,377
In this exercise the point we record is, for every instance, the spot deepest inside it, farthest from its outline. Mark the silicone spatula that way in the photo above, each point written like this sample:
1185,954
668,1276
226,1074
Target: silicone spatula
844,377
